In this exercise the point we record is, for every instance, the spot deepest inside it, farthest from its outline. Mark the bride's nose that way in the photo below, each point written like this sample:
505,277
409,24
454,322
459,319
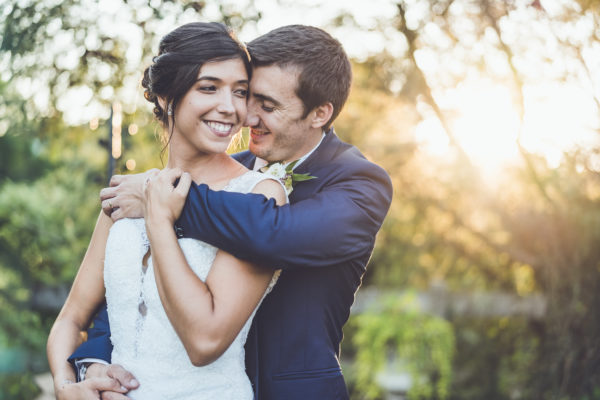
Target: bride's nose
225,104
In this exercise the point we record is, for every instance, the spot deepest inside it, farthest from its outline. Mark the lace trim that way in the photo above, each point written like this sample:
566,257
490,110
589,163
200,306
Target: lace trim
147,345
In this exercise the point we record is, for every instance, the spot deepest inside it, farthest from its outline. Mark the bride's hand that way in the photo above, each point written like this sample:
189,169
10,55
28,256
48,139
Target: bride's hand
163,201
90,389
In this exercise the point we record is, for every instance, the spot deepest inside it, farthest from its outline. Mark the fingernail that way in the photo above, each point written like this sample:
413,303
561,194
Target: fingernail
123,388
133,382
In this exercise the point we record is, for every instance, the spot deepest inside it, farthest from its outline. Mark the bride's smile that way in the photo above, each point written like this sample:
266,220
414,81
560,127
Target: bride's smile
212,110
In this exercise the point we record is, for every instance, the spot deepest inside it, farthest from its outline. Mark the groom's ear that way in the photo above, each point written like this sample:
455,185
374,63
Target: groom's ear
321,115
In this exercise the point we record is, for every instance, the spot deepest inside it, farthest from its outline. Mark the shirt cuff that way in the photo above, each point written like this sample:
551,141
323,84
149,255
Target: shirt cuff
81,365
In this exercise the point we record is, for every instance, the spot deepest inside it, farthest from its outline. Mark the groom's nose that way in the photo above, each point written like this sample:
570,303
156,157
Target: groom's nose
252,119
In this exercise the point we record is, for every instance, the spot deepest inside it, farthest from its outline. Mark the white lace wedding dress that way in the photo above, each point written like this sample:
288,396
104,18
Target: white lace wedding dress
144,341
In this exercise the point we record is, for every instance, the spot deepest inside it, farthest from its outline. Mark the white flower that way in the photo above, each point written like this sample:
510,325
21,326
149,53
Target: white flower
285,174
277,170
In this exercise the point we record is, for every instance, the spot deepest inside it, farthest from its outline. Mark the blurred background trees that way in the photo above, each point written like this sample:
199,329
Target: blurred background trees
486,114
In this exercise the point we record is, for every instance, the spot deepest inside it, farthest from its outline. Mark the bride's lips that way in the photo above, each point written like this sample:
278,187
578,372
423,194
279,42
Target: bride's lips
220,129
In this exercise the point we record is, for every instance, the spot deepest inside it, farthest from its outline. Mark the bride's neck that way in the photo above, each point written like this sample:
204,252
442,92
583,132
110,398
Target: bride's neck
209,168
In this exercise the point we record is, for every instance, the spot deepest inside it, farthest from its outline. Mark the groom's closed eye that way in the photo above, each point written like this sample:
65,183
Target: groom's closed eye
267,103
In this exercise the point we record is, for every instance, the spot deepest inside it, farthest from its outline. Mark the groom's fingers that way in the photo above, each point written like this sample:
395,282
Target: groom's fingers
108,206
124,377
116,214
108,193
150,176
115,180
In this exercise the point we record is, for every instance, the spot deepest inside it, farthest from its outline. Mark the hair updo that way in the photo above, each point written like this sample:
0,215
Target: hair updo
181,54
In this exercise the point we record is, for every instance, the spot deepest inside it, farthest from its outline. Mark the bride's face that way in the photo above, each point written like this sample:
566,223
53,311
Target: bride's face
213,109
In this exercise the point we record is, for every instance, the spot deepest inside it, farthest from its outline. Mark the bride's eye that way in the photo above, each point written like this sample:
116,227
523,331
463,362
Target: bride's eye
241,93
208,88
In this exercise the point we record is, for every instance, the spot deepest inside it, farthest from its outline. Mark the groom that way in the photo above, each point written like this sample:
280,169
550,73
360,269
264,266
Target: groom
322,240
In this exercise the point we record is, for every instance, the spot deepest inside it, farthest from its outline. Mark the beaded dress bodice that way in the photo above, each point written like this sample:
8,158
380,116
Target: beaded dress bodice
144,341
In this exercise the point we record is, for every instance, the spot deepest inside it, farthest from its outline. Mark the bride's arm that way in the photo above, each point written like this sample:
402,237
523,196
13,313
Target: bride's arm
86,294
206,316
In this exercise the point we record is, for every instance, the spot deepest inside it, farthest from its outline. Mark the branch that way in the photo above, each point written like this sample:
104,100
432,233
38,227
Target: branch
411,37
486,8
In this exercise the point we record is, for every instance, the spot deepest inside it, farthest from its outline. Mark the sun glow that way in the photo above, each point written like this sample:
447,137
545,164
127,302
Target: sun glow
487,123
484,119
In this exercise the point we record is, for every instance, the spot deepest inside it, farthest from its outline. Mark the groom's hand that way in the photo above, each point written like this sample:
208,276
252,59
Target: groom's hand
124,197
115,372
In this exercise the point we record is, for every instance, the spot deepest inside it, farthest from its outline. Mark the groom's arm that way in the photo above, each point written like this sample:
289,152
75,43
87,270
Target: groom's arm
337,224
98,345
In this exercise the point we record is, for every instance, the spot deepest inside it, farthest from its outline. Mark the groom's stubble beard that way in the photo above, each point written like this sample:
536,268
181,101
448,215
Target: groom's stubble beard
287,145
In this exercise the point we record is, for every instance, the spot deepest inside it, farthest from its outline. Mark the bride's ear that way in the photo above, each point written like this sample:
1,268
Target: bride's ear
163,103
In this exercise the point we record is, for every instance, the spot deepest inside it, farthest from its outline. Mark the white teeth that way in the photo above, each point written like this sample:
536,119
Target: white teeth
219,127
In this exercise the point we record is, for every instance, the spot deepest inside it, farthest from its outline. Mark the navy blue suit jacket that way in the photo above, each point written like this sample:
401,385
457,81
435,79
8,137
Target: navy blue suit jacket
322,240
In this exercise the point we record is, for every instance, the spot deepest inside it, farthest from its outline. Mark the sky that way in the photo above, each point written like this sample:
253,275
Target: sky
482,108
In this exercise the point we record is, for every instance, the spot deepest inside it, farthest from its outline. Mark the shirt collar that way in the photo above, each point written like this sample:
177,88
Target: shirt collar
259,162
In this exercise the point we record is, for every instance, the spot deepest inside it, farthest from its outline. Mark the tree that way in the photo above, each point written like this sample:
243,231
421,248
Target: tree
56,57
533,231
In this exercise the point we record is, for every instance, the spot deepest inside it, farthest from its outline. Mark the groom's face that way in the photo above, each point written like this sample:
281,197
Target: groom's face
277,130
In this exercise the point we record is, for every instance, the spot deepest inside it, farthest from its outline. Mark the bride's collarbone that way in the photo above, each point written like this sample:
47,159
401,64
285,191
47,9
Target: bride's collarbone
222,181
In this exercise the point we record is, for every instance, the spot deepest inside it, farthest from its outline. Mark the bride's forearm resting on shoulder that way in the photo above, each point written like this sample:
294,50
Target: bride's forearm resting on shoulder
206,316
85,296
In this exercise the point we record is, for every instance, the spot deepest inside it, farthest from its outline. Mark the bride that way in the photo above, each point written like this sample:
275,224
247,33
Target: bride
179,309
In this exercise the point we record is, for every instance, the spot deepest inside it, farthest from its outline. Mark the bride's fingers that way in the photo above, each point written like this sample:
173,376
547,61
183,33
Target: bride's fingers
113,396
103,384
183,186
171,174
124,377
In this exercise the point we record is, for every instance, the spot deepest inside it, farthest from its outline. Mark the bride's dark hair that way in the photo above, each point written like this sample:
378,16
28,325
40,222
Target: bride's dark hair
181,54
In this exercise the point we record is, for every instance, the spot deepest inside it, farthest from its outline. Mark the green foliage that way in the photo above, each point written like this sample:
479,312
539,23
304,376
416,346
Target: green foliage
44,230
423,344
536,231
18,386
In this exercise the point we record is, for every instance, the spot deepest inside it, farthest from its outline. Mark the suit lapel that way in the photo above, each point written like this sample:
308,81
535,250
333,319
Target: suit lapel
316,165
324,152
313,165
246,158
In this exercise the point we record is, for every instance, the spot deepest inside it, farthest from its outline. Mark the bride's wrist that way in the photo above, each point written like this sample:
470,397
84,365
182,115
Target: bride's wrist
158,222
60,383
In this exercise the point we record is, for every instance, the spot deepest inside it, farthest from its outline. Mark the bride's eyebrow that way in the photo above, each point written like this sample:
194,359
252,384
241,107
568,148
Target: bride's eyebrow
215,79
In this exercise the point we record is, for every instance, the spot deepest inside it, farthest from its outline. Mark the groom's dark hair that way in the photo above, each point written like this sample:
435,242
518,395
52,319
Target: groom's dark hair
325,73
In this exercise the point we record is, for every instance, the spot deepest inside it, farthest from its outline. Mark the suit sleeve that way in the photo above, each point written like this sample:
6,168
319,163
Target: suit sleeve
338,223
98,344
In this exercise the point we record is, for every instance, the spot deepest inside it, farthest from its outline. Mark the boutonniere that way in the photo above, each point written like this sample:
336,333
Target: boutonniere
285,174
